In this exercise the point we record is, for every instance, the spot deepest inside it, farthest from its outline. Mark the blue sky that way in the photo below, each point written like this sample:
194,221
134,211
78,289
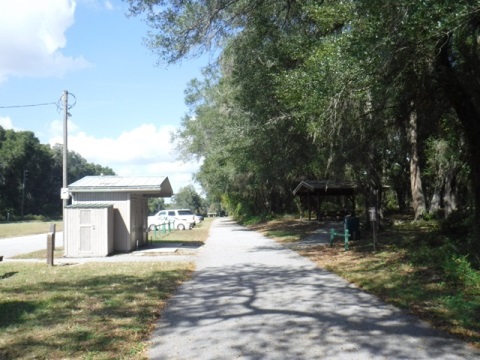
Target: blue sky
126,106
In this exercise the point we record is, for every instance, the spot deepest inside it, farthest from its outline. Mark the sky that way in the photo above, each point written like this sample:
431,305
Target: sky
124,106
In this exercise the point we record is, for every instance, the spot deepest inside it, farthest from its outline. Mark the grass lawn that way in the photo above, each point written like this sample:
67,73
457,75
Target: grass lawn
23,228
87,311
403,272
198,234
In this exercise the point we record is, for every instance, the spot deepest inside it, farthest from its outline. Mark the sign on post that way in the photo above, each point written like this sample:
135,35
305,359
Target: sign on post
64,195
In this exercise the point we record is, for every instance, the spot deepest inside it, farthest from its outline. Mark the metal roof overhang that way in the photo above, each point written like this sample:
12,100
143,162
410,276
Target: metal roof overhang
147,186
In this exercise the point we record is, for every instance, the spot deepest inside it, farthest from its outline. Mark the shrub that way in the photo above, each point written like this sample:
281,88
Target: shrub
458,223
459,272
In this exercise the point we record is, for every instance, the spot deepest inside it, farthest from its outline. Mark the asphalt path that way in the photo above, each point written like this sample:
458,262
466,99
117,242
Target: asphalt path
26,244
251,298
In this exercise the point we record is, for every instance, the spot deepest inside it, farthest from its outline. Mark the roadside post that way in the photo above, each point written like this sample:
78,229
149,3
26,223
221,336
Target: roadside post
50,244
373,219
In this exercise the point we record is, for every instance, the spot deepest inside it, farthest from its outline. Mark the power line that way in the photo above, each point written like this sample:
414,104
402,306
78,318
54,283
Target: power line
58,104
22,106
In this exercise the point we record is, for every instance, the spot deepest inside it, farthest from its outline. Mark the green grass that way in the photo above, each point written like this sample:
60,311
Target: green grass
198,234
85,311
415,268
41,254
23,228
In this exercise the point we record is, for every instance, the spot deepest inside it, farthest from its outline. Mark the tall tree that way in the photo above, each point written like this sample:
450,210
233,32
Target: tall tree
188,198
344,79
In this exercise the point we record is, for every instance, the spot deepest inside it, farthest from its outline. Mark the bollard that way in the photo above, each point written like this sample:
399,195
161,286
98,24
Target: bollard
347,235
332,236
50,244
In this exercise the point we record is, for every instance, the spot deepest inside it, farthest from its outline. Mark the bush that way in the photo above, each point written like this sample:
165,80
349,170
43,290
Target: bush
34,218
459,272
458,223
463,307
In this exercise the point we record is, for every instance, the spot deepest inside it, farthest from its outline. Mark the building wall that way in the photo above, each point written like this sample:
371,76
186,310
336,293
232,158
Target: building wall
89,231
121,214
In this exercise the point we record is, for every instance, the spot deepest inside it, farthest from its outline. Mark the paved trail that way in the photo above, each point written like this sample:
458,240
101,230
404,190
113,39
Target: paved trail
251,298
25,244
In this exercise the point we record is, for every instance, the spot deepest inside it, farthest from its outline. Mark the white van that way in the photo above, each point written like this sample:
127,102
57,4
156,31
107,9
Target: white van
182,219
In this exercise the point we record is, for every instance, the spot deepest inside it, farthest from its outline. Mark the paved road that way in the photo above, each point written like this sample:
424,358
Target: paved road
26,244
251,298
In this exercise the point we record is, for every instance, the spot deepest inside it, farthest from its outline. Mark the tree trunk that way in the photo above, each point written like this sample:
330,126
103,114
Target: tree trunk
436,202
418,198
449,195
461,93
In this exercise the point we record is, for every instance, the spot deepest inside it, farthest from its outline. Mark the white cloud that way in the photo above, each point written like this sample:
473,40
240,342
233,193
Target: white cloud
143,151
32,33
6,123
108,5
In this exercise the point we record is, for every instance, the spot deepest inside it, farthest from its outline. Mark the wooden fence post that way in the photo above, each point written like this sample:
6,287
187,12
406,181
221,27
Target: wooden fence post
50,244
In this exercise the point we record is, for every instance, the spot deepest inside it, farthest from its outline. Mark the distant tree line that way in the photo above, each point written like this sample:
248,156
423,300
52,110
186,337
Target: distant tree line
31,175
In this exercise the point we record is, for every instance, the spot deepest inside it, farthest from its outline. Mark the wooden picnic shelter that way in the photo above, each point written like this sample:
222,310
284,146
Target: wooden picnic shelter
316,190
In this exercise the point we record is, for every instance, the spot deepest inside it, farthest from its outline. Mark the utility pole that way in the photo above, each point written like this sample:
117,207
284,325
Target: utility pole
23,189
65,150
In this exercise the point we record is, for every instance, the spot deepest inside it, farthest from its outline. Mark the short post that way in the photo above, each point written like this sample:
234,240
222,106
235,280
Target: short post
347,235
50,244
373,219
332,236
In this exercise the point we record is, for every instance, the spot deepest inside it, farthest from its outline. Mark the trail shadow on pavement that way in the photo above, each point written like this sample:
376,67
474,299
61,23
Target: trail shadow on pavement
259,311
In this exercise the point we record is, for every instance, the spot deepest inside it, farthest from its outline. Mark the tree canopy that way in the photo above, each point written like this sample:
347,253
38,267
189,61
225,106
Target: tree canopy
31,174
384,93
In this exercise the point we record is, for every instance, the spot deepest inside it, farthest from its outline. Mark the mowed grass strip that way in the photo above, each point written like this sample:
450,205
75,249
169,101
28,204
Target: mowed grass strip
83,311
198,234
401,272
23,228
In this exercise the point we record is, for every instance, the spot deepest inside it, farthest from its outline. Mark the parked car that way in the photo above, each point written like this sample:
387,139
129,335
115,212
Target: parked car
198,218
181,218
178,224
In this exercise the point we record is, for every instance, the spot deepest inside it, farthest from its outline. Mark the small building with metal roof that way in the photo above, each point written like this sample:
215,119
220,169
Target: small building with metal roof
128,199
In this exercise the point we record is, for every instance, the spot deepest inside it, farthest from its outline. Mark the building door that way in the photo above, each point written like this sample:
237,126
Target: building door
85,231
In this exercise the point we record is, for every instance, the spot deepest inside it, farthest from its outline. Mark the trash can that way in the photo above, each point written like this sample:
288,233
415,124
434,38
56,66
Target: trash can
352,224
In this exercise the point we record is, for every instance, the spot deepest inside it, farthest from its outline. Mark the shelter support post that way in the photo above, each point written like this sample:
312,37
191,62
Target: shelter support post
309,207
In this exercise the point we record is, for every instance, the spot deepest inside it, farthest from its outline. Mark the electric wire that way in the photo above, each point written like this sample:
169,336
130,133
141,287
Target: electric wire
59,104
23,106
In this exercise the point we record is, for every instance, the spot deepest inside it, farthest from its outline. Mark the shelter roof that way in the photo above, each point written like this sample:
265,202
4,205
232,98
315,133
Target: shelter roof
325,187
152,186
